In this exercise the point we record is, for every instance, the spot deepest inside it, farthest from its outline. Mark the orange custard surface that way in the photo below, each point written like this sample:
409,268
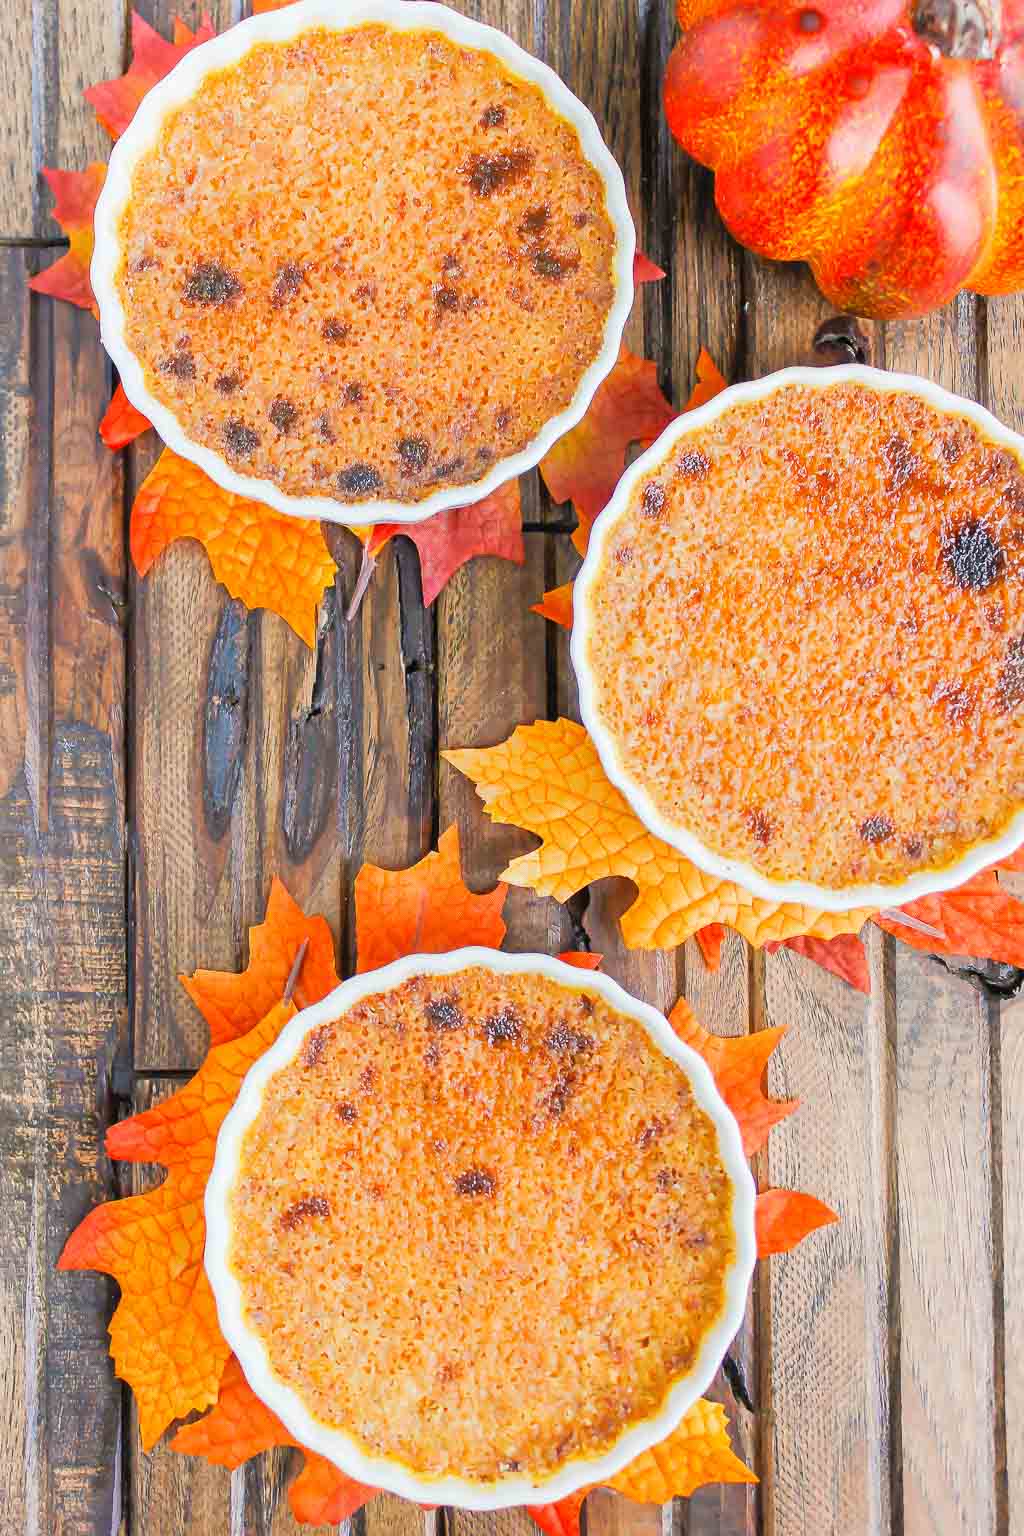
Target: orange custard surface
808,635
481,1225
366,264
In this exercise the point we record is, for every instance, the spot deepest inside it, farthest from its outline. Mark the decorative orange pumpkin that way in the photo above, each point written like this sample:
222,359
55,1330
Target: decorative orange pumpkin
882,141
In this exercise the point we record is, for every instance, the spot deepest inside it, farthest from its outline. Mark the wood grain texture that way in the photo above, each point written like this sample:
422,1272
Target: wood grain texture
62,921
942,1043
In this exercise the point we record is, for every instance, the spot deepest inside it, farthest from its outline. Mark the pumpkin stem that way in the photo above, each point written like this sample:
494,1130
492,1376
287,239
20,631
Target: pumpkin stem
960,29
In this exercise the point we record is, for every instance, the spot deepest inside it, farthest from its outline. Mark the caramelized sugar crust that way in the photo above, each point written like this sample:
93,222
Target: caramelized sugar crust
481,1225
808,636
366,263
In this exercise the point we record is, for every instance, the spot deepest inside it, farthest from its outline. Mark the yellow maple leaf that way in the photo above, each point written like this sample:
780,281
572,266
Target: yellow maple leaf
696,1453
547,778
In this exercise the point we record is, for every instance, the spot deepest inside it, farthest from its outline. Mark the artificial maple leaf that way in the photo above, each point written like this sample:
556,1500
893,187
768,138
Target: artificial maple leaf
75,194
233,1003
710,939
845,956
122,423
556,605
115,101
262,557
446,541
241,1426
547,778
427,909
737,1064
586,464
981,917
583,959
645,270
784,1217
709,382
696,1453
561,1518
164,1334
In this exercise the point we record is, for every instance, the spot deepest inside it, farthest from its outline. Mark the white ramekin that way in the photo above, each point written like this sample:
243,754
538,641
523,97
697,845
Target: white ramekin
275,26
340,1448
822,898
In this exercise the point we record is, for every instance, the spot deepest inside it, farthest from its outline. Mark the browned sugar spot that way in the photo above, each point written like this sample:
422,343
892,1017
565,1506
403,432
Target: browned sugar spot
901,463
210,284
564,1040
581,220
492,117
557,1100
414,453
334,330
283,414
648,1133
367,1079
143,264
534,220
694,464
503,1026
301,1210
451,266
759,825
623,555
972,557
476,1181
322,427
432,1055
366,293
346,1112
554,265
665,1178
227,383
447,468
315,1045
286,284
876,829
359,480
180,365
241,441
1010,684
444,1013
913,847
502,420
487,174
652,501
956,699
445,299
951,449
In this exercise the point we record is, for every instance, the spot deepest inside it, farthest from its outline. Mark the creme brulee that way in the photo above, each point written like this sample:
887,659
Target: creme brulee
806,634
480,1224
366,263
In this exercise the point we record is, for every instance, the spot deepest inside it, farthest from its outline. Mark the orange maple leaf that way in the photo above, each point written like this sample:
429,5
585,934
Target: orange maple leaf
737,1064
586,464
75,194
584,959
556,605
981,917
427,909
232,1003
122,423
548,779
784,1217
710,382
115,101
266,559
696,1453
710,939
561,1518
164,1335
845,956
645,270
446,541
241,1426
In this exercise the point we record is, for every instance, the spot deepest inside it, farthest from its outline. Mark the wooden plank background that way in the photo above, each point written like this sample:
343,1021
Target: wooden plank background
164,752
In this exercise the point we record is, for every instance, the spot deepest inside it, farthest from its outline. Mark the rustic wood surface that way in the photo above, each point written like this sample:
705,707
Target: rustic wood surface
163,752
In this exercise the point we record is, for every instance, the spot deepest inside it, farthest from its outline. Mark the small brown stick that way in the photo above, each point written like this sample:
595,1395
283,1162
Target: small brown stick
295,972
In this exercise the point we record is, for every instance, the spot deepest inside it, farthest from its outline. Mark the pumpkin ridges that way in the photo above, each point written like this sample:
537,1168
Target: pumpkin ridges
940,208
